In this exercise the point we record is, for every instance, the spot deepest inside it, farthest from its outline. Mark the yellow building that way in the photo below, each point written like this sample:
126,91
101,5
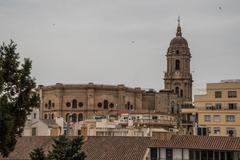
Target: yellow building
219,109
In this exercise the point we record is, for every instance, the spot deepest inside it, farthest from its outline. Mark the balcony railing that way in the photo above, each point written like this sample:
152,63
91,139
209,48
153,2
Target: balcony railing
223,108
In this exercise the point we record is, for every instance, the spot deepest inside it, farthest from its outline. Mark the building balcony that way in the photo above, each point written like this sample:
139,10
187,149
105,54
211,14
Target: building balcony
214,108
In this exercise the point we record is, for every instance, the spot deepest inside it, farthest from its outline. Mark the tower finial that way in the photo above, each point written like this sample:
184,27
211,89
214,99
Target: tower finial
178,20
179,32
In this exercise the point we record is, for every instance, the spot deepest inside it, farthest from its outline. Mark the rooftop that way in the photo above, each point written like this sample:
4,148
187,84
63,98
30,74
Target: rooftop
128,148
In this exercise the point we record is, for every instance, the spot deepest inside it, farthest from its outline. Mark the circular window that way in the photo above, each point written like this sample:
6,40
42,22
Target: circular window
99,104
68,104
111,105
80,104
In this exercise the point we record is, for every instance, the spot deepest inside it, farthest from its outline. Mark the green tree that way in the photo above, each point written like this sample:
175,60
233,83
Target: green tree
16,95
38,154
67,149
63,149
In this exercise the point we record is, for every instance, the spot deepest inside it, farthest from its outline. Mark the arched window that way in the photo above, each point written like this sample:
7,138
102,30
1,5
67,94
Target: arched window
177,64
181,93
80,117
131,107
49,104
105,104
128,105
45,116
52,115
178,108
67,117
177,51
74,117
172,110
177,91
74,103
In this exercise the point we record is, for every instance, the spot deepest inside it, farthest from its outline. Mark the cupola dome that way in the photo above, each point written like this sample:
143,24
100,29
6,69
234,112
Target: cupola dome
179,40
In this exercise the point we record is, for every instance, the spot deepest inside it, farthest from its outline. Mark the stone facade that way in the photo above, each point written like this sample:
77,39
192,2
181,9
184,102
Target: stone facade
84,101
178,76
89,100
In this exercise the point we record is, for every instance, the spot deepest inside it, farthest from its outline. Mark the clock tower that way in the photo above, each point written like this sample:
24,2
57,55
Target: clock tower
178,76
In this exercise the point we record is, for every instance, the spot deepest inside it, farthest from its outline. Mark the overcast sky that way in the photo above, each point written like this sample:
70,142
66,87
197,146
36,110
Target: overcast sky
122,41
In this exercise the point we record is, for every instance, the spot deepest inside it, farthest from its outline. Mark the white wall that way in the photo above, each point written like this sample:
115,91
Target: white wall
60,122
177,154
186,154
27,131
163,153
42,129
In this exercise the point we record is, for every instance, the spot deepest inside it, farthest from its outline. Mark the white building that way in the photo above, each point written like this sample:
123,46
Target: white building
47,127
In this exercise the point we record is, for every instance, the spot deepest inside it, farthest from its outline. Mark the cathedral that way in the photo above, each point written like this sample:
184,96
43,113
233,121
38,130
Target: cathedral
84,101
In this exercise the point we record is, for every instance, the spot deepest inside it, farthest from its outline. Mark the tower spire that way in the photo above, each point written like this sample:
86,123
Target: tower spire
179,32
178,20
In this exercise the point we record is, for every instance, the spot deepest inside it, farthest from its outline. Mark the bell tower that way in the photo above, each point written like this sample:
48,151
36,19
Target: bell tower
178,76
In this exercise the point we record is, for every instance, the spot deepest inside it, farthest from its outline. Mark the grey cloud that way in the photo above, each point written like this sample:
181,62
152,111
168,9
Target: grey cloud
91,40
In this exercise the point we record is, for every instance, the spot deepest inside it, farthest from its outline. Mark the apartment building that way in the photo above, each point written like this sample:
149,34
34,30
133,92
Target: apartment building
219,109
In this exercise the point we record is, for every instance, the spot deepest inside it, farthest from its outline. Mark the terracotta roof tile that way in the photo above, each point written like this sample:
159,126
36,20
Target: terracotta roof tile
127,148
200,142
114,148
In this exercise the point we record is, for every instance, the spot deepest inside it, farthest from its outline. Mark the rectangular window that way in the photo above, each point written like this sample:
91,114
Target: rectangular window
79,132
197,154
154,117
218,106
232,94
231,132
209,106
230,155
218,94
153,153
210,155
216,153
169,154
222,155
202,131
207,118
216,130
34,131
191,154
216,118
232,106
35,115
204,155
230,118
